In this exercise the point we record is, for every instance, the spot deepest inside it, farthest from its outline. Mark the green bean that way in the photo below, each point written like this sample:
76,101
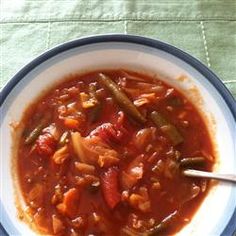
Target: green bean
95,111
175,101
33,135
173,134
92,91
192,161
121,98
167,128
158,119
164,224
63,138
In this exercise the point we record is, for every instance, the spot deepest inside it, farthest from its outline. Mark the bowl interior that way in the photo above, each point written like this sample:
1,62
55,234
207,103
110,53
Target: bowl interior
219,204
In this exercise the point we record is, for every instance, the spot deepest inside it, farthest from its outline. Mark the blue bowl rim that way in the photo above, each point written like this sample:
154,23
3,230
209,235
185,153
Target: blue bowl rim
125,38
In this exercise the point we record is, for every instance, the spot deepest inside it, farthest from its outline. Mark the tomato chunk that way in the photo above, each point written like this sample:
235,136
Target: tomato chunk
45,144
109,181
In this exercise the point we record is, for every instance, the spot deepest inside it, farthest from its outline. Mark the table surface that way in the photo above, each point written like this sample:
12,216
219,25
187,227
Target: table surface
204,28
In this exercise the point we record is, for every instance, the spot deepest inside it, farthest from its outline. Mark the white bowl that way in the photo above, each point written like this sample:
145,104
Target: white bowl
217,214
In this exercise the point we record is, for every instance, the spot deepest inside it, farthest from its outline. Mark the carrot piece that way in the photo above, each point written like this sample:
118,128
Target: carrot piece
69,205
109,183
71,123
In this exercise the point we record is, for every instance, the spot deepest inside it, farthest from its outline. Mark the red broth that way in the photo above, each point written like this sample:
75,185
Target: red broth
102,154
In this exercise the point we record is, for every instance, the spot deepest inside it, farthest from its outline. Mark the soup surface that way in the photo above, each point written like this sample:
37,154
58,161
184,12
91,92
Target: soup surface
103,153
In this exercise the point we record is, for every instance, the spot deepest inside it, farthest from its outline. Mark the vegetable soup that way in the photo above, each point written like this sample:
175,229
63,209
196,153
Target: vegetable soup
103,154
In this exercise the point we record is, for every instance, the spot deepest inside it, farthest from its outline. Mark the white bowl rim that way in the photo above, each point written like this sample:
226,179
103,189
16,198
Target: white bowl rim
135,39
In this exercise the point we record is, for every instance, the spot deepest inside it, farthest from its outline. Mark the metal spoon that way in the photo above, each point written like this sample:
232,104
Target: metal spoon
209,175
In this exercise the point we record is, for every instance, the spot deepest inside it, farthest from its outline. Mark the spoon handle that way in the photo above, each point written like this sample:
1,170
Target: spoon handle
209,175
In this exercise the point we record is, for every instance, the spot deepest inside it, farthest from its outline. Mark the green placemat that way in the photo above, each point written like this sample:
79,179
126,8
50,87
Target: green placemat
205,29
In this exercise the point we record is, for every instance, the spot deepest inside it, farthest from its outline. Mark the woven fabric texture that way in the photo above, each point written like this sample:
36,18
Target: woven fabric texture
204,28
